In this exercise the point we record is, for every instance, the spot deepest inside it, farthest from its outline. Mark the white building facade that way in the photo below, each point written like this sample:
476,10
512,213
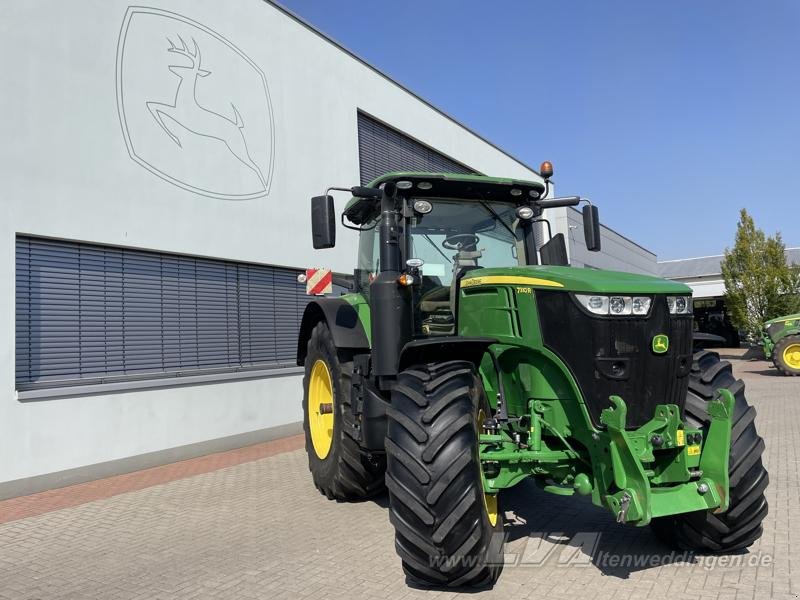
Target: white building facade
157,164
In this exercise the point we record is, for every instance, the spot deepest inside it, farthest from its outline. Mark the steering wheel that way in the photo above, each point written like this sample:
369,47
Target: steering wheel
460,241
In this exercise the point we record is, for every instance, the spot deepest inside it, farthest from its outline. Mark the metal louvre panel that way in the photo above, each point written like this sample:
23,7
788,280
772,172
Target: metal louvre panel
258,322
86,312
288,315
382,149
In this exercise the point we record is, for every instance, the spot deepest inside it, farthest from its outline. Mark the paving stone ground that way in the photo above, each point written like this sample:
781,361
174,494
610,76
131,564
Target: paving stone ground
259,529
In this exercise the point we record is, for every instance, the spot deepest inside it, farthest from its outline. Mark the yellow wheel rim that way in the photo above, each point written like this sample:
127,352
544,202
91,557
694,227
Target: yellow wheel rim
320,408
791,356
489,500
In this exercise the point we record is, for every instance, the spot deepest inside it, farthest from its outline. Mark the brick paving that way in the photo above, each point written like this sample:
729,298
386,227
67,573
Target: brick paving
249,524
37,504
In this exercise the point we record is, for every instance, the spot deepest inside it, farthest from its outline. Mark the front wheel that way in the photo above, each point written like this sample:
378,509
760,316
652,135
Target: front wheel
447,531
740,525
786,355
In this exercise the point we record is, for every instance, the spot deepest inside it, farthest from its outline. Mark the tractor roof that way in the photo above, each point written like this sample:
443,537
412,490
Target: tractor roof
446,185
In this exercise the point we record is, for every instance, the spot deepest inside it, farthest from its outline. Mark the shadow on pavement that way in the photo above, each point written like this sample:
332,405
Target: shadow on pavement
542,529
571,532
767,373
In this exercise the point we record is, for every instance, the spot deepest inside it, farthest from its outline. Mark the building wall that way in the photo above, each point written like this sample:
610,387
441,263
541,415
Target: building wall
705,287
617,252
68,173
99,146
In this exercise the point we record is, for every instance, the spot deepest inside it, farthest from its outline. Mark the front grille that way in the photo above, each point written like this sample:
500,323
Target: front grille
613,355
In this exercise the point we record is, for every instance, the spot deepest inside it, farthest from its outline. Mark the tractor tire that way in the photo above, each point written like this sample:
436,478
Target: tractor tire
786,355
740,526
340,468
445,531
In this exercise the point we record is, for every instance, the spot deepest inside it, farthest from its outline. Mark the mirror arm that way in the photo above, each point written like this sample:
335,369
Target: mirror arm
337,189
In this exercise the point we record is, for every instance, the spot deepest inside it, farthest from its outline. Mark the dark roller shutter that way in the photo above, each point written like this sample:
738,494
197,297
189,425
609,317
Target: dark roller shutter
87,313
382,149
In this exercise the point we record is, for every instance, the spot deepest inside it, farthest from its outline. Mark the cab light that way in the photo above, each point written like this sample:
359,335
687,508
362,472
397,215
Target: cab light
423,207
525,212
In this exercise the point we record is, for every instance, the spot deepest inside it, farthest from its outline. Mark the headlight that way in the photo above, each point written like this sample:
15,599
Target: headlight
641,305
594,304
615,305
679,305
619,305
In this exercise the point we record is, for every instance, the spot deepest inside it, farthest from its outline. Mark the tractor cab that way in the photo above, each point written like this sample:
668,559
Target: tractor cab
449,225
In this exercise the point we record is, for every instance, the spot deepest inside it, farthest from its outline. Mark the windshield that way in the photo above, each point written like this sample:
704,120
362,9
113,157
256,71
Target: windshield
471,234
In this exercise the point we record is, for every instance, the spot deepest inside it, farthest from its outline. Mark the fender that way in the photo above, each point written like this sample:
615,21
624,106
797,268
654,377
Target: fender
341,318
706,340
439,349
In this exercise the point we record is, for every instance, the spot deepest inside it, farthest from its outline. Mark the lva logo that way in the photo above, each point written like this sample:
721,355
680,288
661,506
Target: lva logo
195,110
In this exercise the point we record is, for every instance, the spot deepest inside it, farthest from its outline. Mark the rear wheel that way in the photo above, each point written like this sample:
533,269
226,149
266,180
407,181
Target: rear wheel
740,525
447,531
786,355
340,468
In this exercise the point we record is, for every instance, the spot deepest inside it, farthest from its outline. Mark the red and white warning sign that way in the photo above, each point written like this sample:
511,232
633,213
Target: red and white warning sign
319,282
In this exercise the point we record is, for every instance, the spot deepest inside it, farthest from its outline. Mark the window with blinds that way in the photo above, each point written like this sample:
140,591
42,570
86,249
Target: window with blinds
88,314
382,149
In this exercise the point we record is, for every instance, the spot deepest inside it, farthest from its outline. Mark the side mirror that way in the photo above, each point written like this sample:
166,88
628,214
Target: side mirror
323,222
591,227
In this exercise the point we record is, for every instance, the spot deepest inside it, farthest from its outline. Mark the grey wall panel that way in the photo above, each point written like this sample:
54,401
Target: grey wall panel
618,253
86,312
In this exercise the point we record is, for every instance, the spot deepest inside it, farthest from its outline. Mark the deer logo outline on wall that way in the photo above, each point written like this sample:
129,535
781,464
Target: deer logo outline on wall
175,121
187,111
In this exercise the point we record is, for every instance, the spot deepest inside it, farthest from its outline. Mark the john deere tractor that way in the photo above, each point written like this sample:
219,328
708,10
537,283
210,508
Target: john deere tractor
781,341
469,356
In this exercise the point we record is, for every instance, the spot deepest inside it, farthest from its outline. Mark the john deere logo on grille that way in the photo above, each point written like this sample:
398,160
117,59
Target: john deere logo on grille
660,343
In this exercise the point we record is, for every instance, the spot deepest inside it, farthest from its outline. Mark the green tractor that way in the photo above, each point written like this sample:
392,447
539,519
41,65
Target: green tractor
470,356
781,341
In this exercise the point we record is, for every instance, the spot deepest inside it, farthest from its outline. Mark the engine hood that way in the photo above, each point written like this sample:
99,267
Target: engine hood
575,279
794,317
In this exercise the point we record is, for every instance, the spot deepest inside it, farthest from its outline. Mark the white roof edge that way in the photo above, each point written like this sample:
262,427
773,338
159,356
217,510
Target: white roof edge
672,260
372,67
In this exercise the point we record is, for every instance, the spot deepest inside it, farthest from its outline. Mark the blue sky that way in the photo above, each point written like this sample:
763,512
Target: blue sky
671,116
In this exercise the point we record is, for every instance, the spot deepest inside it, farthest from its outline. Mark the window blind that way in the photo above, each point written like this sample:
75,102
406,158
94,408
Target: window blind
87,313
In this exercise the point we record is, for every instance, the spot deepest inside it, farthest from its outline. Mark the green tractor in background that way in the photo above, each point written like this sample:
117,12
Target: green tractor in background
781,341
470,356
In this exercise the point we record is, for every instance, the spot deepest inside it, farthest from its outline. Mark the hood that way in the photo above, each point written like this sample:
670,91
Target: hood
577,280
794,317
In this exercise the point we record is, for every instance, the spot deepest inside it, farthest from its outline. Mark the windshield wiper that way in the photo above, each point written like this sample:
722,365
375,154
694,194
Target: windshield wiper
432,243
496,216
